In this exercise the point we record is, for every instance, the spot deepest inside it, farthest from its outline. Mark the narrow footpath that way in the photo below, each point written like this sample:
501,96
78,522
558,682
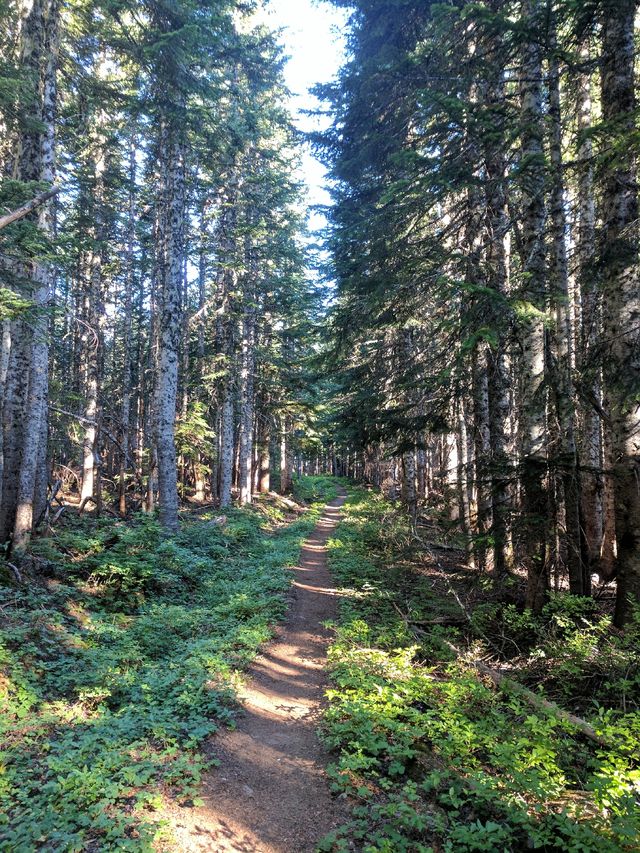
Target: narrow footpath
270,793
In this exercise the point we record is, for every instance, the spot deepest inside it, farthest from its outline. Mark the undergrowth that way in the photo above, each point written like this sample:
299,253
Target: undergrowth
114,670
434,757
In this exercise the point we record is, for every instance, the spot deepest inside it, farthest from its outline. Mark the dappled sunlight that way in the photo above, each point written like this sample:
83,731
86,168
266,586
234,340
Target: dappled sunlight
436,750
110,691
271,776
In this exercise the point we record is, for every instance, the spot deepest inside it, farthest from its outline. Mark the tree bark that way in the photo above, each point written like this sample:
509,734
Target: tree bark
532,313
622,293
35,431
567,461
172,158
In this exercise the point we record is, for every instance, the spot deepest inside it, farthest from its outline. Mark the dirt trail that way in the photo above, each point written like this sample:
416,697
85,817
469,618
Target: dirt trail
270,794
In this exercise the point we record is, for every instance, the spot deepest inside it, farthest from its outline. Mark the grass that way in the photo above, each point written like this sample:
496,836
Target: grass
436,759
116,669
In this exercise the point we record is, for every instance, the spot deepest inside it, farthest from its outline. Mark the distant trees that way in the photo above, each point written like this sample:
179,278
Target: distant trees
152,307
485,159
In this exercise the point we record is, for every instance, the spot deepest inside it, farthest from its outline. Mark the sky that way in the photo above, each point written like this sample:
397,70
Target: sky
313,38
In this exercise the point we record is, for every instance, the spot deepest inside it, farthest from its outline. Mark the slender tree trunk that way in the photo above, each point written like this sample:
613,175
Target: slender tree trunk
463,479
35,425
408,492
579,578
125,410
286,456
498,381
247,379
534,463
622,293
172,158
592,492
264,450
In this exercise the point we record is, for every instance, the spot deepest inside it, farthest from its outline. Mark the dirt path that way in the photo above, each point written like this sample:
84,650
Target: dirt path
270,794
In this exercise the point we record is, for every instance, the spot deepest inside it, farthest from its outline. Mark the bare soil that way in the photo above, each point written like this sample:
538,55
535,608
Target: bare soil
270,793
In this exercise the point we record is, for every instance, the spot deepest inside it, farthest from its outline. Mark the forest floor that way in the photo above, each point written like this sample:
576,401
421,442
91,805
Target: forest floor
146,706
270,793
432,755
123,651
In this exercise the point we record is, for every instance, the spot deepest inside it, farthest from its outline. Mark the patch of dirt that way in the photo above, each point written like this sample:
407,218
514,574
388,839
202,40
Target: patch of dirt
270,793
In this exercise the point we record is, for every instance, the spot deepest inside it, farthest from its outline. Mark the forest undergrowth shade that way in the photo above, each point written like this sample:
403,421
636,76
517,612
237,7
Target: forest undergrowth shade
437,759
115,670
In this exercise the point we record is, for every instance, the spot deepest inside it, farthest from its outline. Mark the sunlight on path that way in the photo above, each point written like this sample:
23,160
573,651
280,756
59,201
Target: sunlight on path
270,794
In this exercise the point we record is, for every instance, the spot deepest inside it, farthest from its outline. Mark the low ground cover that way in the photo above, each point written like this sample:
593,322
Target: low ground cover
116,668
433,755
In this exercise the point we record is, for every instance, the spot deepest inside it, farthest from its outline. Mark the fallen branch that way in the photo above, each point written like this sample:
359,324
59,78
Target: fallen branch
504,681
16,572
21,212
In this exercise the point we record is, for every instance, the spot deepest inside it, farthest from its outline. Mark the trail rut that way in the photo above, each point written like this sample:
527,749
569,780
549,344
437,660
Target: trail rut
270,793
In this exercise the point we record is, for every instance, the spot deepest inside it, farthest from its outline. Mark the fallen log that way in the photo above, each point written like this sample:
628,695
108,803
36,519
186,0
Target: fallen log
500,679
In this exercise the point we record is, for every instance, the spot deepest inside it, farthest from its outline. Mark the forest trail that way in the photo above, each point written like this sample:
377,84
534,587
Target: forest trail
270,793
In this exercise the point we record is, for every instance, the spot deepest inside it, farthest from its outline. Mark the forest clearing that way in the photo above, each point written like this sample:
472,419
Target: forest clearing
320,426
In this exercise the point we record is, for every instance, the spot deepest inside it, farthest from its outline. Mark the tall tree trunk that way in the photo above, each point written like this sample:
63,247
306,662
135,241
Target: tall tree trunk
35,425
172,158
532,312
125,409
622,293
497,362
579,578
247,378
589,361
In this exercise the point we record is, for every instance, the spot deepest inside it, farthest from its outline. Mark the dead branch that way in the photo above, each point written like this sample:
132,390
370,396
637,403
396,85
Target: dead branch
25,209
85,501
49,504
106,509
16,572
537,702
83,420
500,679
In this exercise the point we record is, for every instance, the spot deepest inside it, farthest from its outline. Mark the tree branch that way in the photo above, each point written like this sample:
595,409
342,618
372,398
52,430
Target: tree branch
21,212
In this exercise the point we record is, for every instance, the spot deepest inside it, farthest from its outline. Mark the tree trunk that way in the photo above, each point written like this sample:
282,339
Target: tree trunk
622,293
497,364
463,480
532,312
264,450
567,462
247,378
408,492
589,361
125,409
34,429
172,158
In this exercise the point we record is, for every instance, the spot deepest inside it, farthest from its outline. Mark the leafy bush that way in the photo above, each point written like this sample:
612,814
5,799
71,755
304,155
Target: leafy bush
313,489
114,673
437,759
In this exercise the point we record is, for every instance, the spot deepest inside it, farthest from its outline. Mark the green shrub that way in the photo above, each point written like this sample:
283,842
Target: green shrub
114,673
437,759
